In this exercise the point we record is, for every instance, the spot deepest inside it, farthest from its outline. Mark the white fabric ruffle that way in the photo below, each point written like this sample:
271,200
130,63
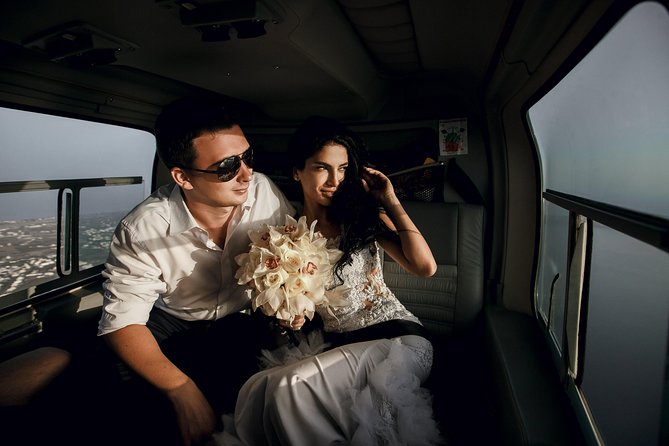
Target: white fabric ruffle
310,344
392,408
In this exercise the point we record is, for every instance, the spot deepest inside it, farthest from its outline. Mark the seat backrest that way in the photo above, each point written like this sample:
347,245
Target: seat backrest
452,298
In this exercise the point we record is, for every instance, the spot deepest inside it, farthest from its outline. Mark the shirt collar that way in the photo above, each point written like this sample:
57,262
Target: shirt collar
181,219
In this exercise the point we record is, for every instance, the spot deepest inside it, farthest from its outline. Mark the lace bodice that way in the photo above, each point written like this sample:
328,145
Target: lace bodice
370,301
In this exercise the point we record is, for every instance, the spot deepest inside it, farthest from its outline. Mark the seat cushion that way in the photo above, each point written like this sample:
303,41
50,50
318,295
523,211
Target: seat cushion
452,298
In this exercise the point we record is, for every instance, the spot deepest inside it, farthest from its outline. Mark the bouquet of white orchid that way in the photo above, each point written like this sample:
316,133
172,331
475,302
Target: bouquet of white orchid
289,268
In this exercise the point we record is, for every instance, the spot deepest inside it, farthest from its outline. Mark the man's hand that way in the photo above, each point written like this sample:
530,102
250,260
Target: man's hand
195,416
138,348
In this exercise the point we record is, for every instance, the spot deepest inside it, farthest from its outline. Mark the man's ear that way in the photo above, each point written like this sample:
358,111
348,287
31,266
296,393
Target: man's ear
181,178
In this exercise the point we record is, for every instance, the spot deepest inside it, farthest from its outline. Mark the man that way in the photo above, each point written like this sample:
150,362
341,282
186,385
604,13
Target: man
172,307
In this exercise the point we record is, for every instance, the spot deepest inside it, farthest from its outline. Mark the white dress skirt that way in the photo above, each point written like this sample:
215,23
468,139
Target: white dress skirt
367,393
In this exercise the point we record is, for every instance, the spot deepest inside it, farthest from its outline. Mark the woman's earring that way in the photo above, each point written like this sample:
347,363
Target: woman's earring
296,178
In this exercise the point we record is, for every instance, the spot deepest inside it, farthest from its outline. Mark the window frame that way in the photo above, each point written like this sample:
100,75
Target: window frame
647,228
18,301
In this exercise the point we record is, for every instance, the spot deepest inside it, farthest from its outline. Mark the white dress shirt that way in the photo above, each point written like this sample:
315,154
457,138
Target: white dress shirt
160,256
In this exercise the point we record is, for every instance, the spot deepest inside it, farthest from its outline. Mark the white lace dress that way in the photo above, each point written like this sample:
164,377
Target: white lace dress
369,300
365,393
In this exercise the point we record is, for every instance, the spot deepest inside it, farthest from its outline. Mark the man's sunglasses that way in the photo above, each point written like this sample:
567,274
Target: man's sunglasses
229,167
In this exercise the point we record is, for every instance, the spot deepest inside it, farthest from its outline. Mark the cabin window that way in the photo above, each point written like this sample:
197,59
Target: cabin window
602,280
64,185
552,275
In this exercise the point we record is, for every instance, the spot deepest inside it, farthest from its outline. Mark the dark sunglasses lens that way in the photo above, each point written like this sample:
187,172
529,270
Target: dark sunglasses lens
247,157
230,165
229,168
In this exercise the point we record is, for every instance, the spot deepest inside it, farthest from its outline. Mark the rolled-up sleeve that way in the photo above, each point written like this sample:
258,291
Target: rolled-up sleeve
133,282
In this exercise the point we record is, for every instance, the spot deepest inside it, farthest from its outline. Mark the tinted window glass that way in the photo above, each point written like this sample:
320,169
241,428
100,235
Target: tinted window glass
602,135
602,132
553,275
42,154
626,343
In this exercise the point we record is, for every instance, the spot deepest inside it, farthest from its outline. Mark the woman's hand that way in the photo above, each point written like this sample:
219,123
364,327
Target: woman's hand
379,185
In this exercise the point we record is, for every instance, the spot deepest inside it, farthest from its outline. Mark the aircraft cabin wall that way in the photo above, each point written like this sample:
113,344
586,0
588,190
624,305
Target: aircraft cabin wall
527,65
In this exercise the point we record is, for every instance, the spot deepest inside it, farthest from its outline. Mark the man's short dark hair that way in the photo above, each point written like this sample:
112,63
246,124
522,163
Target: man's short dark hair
184,120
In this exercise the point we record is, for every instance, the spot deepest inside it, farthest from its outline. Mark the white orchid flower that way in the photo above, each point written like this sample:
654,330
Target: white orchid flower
287,267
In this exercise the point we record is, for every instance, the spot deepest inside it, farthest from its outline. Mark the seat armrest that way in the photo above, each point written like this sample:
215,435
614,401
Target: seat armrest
531,401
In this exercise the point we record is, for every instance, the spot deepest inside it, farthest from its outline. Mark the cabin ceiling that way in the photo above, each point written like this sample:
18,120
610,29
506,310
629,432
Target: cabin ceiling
403,58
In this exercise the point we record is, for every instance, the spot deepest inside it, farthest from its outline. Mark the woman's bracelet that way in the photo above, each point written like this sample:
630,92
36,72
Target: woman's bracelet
407,230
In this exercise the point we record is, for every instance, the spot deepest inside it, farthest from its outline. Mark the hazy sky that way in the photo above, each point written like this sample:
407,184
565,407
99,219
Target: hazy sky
604,128
44,147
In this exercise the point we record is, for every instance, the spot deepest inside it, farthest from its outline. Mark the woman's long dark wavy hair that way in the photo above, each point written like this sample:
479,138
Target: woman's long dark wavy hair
355,210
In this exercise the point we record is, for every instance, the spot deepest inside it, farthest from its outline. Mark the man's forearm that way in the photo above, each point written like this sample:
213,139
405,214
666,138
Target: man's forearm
137,347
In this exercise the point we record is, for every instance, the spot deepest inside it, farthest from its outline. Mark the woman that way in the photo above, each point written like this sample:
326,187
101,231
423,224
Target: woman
366,390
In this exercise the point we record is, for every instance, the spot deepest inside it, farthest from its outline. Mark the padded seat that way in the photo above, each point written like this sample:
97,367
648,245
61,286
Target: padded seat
450,305
453,298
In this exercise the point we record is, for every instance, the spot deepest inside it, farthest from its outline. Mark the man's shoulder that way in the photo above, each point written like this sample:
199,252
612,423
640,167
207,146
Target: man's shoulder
260,179
264,186
267,195
153,209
